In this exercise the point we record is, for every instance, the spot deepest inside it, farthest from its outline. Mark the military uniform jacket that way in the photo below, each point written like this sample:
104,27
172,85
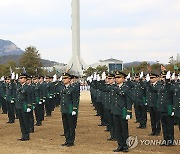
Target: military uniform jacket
10,91
152,95
122,99
67,99
165,97
176,98
24,96
139,92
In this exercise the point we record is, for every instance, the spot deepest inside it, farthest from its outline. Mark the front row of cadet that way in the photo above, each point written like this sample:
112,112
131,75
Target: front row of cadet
29,96
113,95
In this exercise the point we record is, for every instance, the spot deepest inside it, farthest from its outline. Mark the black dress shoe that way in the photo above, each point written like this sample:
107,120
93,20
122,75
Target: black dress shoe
125,150
143,127
64,144
118,149
111,139
23,139
70,144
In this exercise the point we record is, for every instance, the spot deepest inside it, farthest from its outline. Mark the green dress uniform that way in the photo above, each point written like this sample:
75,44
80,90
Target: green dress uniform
10,100
3,97
39,94
176,100
24,102
139,99
110,99
48,101
68,105
152,97
165,106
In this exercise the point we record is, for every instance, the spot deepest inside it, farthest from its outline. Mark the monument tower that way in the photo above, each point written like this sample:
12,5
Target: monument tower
76,63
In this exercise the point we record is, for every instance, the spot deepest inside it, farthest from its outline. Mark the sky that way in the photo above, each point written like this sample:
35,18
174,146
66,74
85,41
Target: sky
128,30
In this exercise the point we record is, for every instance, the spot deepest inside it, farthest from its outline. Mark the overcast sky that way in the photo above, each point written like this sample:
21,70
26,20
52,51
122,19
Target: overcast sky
127,30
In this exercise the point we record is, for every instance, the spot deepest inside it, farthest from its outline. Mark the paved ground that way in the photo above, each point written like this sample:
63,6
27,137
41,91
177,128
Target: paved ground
90,139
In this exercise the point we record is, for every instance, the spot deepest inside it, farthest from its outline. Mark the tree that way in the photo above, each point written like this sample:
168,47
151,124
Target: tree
31,61
100,69
89,71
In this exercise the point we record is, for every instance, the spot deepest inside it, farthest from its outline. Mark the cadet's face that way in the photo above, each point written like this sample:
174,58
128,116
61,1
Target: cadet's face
47,80
111,81
28,81
66,81
8,81
22,80
119,80
152,80
136,79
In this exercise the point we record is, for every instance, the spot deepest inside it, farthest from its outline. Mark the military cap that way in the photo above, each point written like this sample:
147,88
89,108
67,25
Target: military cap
29,77
41,77
153,75
48,77
120,74
163,74
23,75
111,76
35,77
136,75
67,75
8,77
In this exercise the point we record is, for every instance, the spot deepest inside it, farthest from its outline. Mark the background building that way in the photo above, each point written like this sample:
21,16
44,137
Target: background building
112,64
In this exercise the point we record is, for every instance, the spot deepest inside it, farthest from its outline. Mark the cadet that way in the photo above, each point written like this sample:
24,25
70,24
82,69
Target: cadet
31,91
152,97
69,109
24,107
10,98
165,106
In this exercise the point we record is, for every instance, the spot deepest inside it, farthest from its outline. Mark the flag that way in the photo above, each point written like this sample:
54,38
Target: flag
163,68
176,67
132,71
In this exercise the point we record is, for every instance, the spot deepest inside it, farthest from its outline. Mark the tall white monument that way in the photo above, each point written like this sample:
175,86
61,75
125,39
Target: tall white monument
76,63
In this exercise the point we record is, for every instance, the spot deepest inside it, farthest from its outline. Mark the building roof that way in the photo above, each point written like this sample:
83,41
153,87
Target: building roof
112,60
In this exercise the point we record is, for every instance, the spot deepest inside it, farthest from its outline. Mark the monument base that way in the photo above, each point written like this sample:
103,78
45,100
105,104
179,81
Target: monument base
77,66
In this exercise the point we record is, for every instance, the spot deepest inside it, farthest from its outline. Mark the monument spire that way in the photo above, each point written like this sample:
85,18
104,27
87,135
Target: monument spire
76,64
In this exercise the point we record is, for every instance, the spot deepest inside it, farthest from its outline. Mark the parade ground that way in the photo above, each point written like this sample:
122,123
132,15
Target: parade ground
90,138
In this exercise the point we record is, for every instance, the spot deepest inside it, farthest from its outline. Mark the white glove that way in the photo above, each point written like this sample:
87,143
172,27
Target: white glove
103,76
95,76
98,78
145,104
43,100
172,114
88,78
141,75
12,101
50,96
173,76
128,77
40,102
147,78
73,113
28,110
60,78
168,75
128,117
